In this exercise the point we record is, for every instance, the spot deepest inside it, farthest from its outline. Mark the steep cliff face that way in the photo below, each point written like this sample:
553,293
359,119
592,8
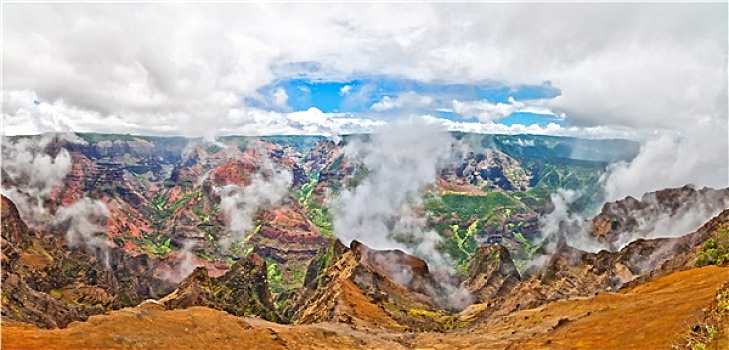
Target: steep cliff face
49,284
491,273
20,255
163,195
242,291
666,248
608,321
333,296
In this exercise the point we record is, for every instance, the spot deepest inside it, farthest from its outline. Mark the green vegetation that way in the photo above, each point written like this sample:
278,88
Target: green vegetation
158,205
182,201
118,241
474,215
324,261
465,205
156,246
211,148
525,242
715,250
320,216
701,339
204,256
94,137
304,193
722,302
465,244
336,163
284,277
275,277
56,293
443,321
301,143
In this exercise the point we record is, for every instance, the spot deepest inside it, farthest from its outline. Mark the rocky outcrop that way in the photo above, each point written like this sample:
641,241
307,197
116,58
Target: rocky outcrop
570,272
490,170
242,291
362,286
629,216
404,269
15,233
685,252
491,273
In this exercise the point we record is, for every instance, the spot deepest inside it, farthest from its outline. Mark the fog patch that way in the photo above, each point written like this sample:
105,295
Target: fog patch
240,203
651,217
30,174
186,266
385,211
86,220
696,155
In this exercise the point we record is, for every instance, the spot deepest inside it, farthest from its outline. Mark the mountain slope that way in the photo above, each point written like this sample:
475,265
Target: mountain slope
653,316
50,285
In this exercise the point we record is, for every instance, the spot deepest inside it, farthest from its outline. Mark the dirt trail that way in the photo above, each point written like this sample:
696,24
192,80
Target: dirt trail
650,316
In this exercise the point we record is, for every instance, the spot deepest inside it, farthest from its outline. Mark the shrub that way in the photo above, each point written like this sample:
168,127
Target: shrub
715,250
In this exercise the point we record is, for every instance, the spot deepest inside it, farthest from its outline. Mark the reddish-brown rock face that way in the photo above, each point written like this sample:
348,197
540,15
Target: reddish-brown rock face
157,189
404,269
50,285
165,218
570,272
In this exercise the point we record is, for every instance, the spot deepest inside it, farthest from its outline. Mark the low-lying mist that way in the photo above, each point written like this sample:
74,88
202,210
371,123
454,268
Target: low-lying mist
32,169
385,211
265,189
651,217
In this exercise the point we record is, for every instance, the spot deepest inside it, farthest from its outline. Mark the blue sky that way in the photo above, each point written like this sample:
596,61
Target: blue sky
358,96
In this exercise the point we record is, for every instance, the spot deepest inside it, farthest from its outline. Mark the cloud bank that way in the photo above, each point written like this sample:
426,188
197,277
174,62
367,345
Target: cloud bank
660,75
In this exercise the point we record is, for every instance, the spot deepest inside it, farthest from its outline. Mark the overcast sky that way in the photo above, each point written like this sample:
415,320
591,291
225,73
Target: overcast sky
593,70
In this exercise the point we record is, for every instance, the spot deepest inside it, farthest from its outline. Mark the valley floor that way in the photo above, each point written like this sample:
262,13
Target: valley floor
651,316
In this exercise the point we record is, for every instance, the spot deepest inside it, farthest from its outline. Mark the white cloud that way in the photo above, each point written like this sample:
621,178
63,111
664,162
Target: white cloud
407,100
281,98
595,132
487,112
385,104
169,68
33,119
183,62
673,159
